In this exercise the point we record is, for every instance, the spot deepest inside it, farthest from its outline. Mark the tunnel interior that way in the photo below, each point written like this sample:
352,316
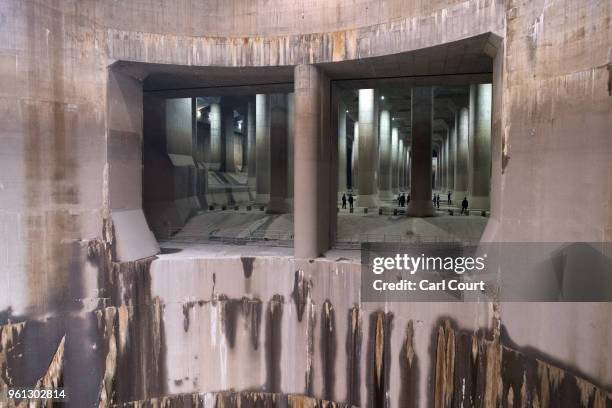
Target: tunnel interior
218,148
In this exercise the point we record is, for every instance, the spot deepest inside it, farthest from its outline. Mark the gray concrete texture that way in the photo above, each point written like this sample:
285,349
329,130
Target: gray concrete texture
63,296
421,204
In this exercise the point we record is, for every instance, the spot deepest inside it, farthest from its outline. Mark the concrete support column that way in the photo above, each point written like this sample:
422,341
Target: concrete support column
227,113
262,143
408,176
447,185
215,137
290,149
384,158
461,157
252,166
394,161
480,153
401,164
278,154
420,166
342,179
368,150
452,150
355,160
244,144
313,203
445,165
441,171
435,168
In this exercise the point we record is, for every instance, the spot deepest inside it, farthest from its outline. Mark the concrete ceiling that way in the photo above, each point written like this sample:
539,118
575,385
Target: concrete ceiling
450,68
455,63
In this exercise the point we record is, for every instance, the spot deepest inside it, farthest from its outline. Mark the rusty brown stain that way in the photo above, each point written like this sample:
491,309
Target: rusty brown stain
301,292
328,349
353,351
50,165
379,354
273,344
409,370
338,46
9,336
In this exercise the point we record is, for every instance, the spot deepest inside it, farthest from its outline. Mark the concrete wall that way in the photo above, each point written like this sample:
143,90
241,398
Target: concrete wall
173,183
63,295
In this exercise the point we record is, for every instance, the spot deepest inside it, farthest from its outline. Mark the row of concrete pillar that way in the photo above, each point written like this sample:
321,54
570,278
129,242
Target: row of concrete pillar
464,151
383,162
286,127
268,151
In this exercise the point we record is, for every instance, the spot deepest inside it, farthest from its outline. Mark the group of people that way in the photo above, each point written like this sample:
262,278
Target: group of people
351,200
402,200
464,203
436,200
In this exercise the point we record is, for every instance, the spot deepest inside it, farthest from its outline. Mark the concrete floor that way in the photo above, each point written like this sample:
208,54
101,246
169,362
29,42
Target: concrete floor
256,225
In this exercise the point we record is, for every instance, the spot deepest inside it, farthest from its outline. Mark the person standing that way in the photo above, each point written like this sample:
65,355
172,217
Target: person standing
449,198
464,206
350,200
343,201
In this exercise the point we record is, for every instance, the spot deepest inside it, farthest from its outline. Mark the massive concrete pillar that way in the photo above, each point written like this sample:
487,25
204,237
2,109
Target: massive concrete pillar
342,174
244,142
229,162
480,152
215,137
434,167
368,150
446,161
452,150
461,156
262,145
252,165
314,203
441,172
384,156
401,164
408,176
420,164
355,160
278,155
290,149
394,161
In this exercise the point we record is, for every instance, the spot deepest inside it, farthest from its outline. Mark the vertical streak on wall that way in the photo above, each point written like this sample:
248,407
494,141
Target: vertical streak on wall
379,359
273,343
353,350
328,349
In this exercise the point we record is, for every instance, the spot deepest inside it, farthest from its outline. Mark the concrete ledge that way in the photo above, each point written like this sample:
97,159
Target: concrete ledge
220,198
241,196
133,238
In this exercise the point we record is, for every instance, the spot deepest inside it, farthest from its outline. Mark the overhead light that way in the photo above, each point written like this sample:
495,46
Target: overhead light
198,114
393,118
347,111
382,98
